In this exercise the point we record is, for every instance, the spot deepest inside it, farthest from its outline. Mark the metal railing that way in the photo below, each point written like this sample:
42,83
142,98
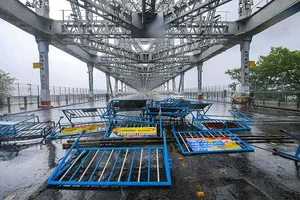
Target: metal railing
26,94
270,98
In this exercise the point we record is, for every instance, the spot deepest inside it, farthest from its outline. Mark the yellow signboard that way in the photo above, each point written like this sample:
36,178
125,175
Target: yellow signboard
79,129
134,131
251,63
36,65
212,144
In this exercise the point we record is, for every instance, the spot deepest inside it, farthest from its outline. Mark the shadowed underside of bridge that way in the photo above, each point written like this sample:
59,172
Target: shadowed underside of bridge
143,43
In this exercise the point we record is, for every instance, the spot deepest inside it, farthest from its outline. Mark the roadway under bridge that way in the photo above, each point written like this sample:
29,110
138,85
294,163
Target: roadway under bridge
143,44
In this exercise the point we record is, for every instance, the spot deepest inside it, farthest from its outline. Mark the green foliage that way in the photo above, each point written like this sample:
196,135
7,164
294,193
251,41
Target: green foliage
276,71
6,86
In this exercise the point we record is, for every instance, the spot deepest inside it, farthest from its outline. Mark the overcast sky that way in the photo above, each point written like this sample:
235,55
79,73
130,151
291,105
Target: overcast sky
18,50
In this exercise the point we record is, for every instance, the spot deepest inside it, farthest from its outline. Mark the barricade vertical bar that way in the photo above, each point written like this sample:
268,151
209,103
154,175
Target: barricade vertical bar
131,166
141,158
149,164
123,165
105,165
82,162
88,165
157,166
96,167
112,170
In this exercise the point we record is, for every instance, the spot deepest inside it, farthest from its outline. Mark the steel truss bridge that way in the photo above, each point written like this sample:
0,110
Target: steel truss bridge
143,43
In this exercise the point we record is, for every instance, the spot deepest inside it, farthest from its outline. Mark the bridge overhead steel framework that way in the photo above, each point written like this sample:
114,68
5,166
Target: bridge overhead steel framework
144,53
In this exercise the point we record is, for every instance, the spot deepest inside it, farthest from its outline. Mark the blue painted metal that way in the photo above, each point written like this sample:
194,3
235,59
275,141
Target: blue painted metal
76,118
296,156
76,113
120,166
23,127
56,133
116,106
180,112
11,124
182,142
236,122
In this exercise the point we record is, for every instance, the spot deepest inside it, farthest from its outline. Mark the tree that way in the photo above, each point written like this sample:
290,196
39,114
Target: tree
280,69
6,86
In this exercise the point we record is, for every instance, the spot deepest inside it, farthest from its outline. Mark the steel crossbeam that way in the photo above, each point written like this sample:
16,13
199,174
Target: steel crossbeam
144,33
111,10
183,10
118,166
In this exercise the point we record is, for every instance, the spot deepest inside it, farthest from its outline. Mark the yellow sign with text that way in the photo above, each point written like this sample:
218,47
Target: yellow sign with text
251,63
36,65
79,129
135,131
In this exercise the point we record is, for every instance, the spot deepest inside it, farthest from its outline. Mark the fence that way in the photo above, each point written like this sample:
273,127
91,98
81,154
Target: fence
279,98
24,94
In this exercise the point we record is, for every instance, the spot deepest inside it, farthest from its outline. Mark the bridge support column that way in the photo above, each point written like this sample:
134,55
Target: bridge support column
173,85
181,83
116,87
108,85
122,88
43,47
245,8
91,83
199,92
245,47
168,89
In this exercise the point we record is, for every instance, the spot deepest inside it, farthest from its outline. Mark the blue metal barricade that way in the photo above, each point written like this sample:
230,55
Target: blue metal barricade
296,156
23,127
11,124
119,166
236,122
213,141
80,119
80,113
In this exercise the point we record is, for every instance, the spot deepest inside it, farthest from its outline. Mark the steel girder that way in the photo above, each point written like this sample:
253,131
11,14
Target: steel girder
181,22
111,10
106,29
184,10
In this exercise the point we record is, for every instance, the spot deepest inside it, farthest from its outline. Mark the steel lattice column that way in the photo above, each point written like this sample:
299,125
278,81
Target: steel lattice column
181,83
199,92
245,8
91,85
245,47
173,84
43,47
116,86
108,85
168,90
42,7
122,88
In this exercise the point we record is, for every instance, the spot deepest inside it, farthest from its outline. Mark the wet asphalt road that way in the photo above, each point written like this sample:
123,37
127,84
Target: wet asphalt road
257,175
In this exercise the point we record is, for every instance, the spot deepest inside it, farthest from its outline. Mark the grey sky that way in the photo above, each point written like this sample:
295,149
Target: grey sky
18,50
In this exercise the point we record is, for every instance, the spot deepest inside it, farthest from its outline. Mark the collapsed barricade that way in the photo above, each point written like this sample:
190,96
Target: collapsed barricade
129,154
117,166
77,122
212,141
116,107
23,127
236,122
